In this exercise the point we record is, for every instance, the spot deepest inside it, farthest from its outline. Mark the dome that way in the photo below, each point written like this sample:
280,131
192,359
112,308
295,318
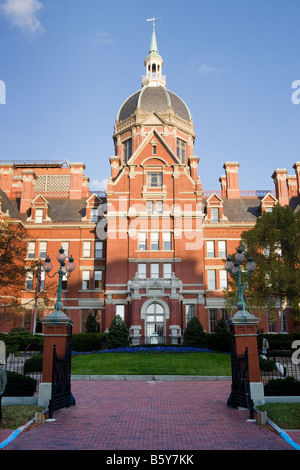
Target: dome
154,99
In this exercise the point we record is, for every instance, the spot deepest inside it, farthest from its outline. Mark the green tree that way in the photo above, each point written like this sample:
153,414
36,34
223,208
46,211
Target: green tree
117,335
194,335
91,325
274,243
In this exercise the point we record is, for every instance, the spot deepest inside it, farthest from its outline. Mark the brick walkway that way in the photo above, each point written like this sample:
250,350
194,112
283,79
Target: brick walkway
142,415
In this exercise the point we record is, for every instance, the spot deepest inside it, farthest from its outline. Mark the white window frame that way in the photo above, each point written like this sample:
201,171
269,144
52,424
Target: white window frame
142,270
98,249
86,280
167,241
31,250
211,279
98,277
223,279
210,249
87,245
65,247
120,310
154,240
39,216
154,270
167,270
42,249
142,241
222,248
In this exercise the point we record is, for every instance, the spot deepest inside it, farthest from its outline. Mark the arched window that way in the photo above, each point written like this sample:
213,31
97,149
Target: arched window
155,317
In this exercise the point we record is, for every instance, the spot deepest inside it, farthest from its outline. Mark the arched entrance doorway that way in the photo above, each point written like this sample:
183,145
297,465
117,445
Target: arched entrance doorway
155,322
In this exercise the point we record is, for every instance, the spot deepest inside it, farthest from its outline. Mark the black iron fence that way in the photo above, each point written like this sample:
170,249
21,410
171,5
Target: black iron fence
275,367
24,374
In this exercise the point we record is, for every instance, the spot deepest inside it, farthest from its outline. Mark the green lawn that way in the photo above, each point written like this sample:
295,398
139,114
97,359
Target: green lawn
285,415
14,416
147,363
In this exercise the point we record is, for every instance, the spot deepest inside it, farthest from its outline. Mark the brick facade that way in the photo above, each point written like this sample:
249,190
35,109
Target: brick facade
152,248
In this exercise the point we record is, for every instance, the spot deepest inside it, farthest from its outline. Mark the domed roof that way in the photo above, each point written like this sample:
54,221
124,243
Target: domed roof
154,99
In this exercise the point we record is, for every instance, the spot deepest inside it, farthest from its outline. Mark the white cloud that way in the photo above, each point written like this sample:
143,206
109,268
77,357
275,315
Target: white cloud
97,185
204,69
101,38
23,14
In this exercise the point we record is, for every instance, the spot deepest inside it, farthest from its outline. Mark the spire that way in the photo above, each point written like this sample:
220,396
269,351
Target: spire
153,45
153,63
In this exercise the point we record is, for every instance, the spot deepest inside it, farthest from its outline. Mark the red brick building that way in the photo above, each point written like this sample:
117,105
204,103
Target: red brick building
152,248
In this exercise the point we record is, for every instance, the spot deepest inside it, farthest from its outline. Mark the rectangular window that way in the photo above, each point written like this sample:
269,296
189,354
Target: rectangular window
31,250
98,280
167,267
42,287
210,248
127,150
98,250
154,270
86,249
39,216
159,207
213,319
85,280
181,150
142,270
189,312
94,215
211,279
120,310
224,314
222,249
149,207
65,246
272,324
154,180
29,280
142,241
154,241
215,214
43,250
167,241
223,279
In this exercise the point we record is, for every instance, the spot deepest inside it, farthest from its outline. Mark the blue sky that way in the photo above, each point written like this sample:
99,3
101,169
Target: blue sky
68,65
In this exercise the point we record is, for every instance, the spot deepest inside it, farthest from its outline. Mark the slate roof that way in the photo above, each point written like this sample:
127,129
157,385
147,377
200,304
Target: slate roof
242,210
157,99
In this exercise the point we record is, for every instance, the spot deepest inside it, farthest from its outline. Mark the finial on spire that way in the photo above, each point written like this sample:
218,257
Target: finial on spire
153,62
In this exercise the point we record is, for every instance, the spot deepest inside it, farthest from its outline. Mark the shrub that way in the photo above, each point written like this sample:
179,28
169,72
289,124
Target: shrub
283,387
19,385
84,342
91,325
220,340
117,336
34,364
194,334
21,341
266,366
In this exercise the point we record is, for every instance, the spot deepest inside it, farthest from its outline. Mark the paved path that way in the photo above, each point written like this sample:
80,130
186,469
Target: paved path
144,415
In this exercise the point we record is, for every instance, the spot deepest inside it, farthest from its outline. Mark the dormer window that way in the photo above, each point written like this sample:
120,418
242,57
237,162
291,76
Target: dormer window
94,215
215,216
39,213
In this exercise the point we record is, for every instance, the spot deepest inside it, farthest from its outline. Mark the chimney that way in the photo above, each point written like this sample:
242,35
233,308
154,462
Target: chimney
297,171
28,177
77,175
232,179
194,167
292,186
222,180
115,166
280,180
6,177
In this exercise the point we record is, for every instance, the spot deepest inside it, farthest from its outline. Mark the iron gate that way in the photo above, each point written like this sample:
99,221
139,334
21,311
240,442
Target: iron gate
240,389
61,380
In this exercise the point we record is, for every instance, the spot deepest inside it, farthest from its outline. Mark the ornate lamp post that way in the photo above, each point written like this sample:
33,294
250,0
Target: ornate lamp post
235,270
63,270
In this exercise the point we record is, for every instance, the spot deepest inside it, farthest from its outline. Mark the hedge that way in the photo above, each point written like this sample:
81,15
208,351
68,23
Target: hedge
82,342
19,385
283,387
